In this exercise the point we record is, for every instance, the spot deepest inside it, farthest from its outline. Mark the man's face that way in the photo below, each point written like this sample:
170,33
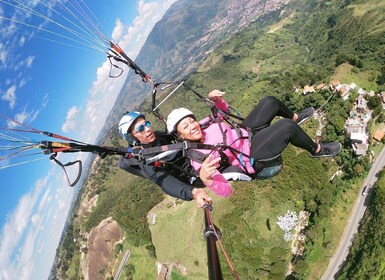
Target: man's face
142,131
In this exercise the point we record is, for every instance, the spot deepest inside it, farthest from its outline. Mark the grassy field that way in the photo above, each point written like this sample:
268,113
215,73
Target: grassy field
347,74
376,9
178,236
145,267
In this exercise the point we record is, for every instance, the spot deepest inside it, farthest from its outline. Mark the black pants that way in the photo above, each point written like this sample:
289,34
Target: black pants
269,139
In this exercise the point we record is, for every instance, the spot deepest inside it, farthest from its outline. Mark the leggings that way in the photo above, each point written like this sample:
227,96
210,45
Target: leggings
270,140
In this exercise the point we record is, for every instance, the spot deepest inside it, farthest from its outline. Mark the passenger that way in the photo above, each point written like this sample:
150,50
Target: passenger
266,145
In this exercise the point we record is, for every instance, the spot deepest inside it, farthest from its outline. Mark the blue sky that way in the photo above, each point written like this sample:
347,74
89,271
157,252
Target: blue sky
61,86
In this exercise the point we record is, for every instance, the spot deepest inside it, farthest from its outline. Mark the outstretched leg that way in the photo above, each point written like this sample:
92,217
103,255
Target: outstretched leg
271,141
270,107
265,111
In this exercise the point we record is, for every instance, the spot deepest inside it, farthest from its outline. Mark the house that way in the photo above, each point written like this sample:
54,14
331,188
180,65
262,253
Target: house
334,84
358,137
308,90
353,86
320,86
360,148
354,125
361,104
344,93
382,95
338,87
378,135
361,91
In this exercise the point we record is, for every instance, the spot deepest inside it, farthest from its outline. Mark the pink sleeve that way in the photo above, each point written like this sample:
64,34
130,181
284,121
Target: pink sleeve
222,105
220,186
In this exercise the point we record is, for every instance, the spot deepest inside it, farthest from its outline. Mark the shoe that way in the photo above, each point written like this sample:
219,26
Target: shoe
328,150
304,115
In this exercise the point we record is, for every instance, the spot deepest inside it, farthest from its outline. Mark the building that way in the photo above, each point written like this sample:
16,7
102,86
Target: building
308,90
360,148
378,135
361,104
344,93
358,137
334,84
321,86
353,86
355,126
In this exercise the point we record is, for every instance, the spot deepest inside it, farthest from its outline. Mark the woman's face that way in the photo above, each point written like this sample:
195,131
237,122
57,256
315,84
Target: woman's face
189,129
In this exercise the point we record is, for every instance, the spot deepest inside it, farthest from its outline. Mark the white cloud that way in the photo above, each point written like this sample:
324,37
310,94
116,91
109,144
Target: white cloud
104,90
13,230
22,82
3,56
10,96
29,61
23,117
30,235
44,101
22,41
71,120
118,31
35,219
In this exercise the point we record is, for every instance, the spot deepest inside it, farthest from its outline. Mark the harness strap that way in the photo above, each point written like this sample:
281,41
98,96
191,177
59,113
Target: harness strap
177,146
63,166
216,117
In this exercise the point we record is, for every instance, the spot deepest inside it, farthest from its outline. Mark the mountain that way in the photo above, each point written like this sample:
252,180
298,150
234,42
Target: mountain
182,39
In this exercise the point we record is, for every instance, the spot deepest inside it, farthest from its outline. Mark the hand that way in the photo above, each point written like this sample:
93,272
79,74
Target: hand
201,197
216,95
208,168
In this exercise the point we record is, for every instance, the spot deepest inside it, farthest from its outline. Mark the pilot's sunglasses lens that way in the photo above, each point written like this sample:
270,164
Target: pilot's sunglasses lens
140,128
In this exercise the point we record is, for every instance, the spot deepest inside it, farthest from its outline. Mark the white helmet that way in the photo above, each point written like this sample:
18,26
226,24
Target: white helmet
125,123
176,116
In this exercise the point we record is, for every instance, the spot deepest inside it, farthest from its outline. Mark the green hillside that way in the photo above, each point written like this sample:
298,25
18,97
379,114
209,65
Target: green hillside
313,42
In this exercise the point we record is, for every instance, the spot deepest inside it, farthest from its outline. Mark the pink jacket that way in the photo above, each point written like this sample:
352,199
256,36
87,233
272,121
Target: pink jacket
213,135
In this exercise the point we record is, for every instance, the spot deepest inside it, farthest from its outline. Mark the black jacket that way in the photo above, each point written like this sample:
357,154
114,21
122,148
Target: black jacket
172,181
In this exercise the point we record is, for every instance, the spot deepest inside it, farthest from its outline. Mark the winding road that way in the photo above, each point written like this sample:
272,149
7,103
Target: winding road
358,211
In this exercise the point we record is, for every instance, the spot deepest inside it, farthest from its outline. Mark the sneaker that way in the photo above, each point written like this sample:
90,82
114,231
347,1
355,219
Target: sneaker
304,115
328,150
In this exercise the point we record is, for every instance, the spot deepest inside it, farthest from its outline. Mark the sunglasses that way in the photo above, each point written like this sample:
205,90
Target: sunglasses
140,128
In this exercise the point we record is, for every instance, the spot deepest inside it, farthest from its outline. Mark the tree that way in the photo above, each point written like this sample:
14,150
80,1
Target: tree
118,248
374,102
151,250
381,77
358,169
129,271
381,118
332,20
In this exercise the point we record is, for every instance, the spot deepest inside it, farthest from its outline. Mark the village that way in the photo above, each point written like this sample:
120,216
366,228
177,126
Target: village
356,125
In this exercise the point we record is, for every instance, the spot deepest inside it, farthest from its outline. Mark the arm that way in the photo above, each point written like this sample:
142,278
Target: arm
169,184
176,188
217,97
213,179
131,166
